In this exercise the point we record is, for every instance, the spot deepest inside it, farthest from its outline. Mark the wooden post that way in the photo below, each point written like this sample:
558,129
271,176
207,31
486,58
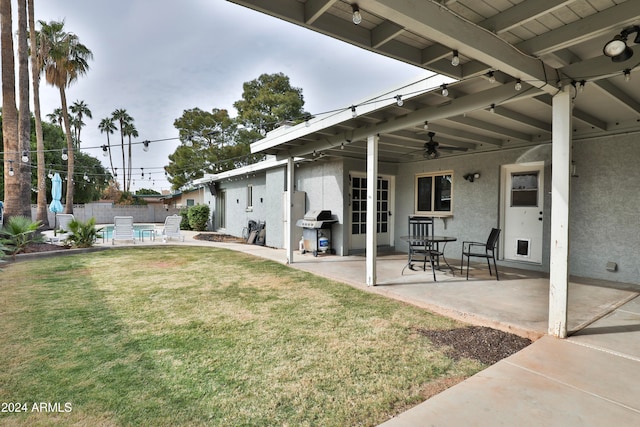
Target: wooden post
372,205
560,196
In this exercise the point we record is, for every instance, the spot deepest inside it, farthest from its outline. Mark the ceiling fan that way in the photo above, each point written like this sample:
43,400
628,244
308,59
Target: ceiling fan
432,148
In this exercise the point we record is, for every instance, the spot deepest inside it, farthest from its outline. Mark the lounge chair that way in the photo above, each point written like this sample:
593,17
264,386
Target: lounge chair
171,228
122,229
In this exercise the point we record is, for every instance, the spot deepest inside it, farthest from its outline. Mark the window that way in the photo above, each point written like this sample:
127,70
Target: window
524,189
433,193
249,196
191,202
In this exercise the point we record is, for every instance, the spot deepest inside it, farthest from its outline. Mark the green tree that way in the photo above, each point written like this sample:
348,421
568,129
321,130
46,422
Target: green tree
214,142
67,60
208,142
147,192
268,101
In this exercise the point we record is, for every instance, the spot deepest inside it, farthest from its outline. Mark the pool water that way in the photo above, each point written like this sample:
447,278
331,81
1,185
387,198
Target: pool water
107,231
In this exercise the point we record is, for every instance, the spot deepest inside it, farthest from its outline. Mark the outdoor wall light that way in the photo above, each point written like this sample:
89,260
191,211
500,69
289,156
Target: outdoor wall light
617,48
472,176
357,16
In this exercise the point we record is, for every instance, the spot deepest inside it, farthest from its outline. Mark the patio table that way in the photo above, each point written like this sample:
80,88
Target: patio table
430,243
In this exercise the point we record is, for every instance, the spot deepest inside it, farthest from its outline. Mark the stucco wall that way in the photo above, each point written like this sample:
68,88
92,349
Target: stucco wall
323,183
604,222
275,183
605,208
237,215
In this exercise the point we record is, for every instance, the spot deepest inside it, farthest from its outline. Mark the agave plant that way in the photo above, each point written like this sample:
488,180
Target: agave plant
18,232
83,234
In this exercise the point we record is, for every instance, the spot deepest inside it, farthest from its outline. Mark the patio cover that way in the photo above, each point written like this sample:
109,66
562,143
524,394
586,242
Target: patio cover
552,50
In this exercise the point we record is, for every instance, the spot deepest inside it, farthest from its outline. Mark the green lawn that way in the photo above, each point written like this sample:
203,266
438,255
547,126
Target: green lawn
202,336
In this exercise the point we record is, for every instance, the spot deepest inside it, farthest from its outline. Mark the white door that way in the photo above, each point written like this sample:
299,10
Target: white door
523,207
358,210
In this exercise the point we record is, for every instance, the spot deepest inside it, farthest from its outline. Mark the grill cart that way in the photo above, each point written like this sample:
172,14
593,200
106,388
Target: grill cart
317,232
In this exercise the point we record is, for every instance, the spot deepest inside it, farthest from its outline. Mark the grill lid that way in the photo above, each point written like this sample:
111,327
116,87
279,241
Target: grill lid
316,219
318,215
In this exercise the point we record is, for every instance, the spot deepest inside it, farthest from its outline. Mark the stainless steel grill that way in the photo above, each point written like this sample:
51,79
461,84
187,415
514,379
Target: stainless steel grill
317,231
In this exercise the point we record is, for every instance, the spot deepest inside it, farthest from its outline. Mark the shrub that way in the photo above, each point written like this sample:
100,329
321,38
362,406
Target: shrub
184,224
18,233
198,217
83,234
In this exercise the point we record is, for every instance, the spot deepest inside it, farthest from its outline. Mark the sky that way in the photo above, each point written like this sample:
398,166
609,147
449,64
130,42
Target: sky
157,58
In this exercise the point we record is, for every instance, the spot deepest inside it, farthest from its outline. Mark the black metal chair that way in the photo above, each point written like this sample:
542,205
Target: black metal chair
420,250
481,250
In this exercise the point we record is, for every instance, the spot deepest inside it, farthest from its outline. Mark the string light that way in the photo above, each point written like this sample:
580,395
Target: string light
11,173
627,75
455,60
492,108
357,16
145,145
492,77
426,125
445,91
64,155
518,84
105,151
354,113
25,156
399,100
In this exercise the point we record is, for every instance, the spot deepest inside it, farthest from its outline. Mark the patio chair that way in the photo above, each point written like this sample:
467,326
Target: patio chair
420,249
481,250
122,229
171,228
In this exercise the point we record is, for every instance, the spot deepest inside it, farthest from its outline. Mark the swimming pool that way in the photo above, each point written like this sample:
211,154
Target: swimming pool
140,231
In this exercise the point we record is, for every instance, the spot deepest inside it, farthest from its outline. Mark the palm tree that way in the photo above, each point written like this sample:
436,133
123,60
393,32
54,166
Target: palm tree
106,126
24,113
130,131
12,195
80,109
123,118
36,66
66,61
55,118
